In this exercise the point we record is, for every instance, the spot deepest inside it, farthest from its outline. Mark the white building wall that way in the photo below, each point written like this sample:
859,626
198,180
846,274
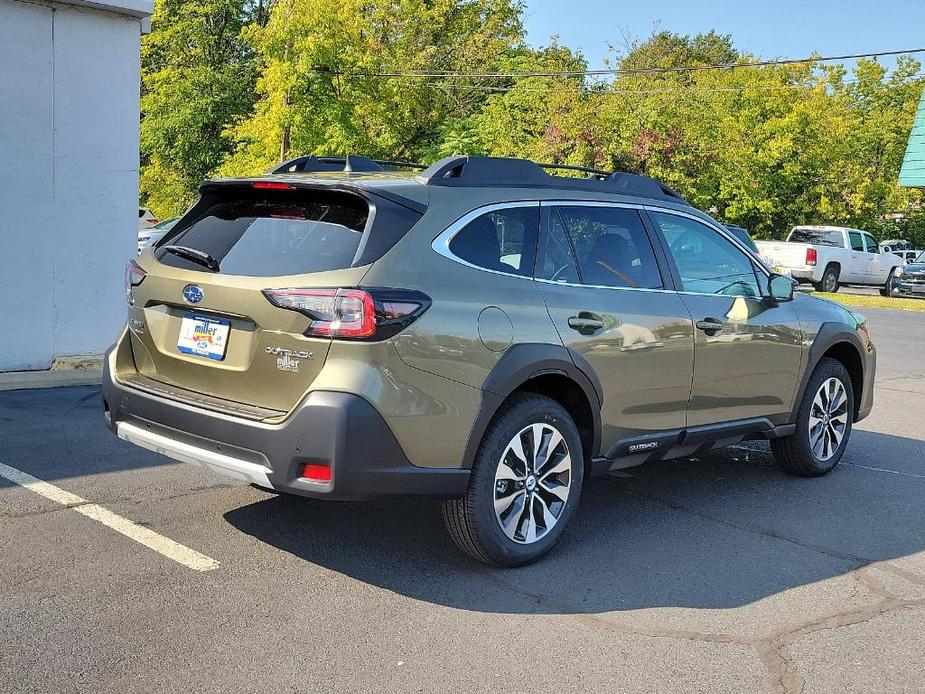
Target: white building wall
26,174
68,178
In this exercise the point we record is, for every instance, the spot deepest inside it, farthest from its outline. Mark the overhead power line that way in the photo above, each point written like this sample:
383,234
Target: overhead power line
608,89
617,71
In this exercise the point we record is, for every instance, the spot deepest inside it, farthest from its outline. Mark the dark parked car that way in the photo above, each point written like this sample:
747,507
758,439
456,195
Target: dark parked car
909,280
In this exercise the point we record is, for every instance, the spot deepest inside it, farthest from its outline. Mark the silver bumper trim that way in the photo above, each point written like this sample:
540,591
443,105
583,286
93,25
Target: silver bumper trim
194,455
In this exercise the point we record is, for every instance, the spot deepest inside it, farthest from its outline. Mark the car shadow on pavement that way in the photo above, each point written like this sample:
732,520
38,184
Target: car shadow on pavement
719,531
55,433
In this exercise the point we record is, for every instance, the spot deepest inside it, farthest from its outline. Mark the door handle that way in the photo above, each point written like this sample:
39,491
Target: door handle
586,322
710,325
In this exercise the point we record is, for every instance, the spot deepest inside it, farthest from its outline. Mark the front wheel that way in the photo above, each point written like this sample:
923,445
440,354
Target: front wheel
524,486
823,423
889,286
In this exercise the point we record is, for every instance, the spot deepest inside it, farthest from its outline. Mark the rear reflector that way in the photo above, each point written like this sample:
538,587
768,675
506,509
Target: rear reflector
272,185
317,473
810,256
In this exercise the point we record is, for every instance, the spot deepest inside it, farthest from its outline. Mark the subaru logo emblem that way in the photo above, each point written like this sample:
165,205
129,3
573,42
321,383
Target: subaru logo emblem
192,294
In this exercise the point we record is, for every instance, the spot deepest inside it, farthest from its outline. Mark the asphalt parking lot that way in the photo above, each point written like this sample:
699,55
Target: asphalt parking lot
704,575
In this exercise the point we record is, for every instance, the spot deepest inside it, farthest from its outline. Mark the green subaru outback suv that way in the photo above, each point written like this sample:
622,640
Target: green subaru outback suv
480,331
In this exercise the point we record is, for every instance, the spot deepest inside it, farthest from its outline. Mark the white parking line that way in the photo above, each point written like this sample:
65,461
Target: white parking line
883,469
150,539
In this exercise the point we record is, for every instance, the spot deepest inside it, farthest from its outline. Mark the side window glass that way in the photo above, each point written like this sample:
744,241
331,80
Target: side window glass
555,261
872,246
611,246
502,240
707,262
857,243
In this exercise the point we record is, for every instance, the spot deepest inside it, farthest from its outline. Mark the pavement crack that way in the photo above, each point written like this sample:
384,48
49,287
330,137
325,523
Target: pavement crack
857,560
564,608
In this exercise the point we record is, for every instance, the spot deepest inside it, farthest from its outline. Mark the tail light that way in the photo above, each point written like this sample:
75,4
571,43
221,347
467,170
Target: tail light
353,314
134,276
810,256
272,185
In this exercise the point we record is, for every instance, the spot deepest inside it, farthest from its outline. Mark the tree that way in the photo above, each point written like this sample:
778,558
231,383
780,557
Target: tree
322,91
198,75
231,88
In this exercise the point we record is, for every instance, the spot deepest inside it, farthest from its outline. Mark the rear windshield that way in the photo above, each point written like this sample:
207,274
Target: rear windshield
819,237
266,233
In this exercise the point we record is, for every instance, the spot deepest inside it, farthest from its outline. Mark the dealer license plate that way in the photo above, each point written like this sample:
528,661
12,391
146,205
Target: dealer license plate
203,336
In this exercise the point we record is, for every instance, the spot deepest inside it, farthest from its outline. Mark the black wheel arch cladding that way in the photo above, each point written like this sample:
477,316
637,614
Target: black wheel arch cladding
524,362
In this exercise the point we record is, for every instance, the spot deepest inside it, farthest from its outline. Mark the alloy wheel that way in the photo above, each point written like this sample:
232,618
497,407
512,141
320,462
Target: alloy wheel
828,419
532,483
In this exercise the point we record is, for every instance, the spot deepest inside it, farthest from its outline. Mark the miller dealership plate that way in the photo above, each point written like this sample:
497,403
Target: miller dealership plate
203,336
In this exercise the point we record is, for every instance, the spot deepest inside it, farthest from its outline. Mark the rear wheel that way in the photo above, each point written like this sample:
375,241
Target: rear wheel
829,281
524,486
823,423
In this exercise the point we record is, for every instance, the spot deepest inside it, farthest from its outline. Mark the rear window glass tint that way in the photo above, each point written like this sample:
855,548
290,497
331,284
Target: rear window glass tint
502,240
819,237
272,233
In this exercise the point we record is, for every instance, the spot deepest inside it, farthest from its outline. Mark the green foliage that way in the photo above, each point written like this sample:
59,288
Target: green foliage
316,93
232,88
198,74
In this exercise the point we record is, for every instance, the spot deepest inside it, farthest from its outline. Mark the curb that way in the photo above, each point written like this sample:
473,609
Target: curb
66,371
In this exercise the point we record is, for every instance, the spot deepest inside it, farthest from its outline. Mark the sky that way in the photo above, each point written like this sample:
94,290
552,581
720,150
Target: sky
769,29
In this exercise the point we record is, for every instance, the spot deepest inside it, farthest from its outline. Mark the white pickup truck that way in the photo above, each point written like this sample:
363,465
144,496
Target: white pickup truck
828,257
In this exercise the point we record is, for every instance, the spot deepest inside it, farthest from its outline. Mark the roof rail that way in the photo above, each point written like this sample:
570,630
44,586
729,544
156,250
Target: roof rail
500,171
599,174
348,164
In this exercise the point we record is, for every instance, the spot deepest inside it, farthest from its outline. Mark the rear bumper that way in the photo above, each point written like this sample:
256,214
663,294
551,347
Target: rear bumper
804,274
340,430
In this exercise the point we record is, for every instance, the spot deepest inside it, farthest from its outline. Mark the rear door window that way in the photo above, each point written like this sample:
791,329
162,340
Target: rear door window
611,245
267,233
555,261
857,244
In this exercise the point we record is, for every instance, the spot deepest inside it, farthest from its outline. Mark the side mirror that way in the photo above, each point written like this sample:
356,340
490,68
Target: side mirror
780,288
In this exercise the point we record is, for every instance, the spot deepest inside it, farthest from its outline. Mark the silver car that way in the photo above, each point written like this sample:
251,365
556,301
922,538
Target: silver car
148,237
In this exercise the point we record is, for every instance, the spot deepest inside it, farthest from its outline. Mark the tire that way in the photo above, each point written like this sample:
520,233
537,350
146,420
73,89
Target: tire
473,522
829,281
803,453
887,288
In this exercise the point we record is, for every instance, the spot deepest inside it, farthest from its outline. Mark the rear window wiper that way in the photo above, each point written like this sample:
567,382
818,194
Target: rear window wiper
196,256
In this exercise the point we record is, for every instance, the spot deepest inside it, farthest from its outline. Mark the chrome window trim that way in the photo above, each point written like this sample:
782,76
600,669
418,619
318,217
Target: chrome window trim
441,243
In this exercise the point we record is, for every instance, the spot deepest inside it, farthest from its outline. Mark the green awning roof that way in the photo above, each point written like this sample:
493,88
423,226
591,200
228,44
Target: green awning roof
912,173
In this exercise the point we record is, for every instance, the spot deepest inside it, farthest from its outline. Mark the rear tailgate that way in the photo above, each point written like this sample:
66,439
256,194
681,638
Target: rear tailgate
783,254
215,332
267,361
